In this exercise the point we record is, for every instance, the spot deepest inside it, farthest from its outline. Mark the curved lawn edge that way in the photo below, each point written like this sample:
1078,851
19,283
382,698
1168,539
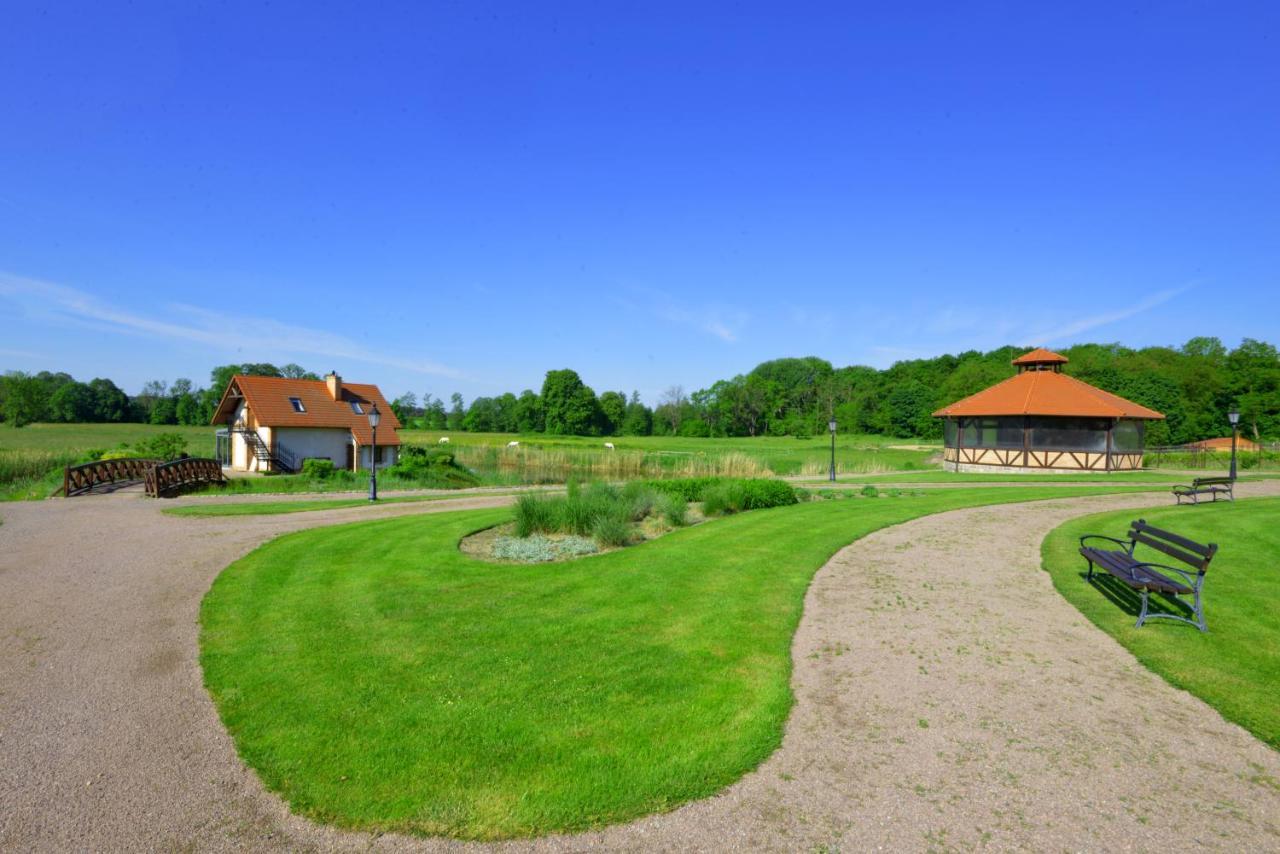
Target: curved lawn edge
1235,667
378,679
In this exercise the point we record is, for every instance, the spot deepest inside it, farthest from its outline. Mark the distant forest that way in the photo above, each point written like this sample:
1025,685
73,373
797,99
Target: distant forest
1193,385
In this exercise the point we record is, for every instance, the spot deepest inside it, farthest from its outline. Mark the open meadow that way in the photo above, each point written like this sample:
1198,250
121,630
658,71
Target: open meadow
32,457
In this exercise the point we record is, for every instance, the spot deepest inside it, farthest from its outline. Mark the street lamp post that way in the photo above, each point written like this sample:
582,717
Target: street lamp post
374,417
831,425
1234,417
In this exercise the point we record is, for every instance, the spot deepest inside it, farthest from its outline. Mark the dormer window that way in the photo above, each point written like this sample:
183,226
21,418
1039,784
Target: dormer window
297,404
357,408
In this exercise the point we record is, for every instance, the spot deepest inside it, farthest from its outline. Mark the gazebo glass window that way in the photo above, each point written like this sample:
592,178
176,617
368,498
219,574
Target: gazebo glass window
1126,437
1069,434
950,428
991,432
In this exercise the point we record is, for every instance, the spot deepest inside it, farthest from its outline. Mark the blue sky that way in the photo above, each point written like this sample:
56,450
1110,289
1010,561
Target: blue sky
459,196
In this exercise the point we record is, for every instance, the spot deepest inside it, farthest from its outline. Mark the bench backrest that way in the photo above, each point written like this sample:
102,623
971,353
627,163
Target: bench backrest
1210,481
1180,548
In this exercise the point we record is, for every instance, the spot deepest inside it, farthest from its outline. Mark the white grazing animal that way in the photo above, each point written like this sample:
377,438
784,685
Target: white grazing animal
513,444
444,440
609,445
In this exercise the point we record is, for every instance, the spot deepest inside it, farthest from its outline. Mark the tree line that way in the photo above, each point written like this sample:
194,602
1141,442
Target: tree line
1194,385
59,398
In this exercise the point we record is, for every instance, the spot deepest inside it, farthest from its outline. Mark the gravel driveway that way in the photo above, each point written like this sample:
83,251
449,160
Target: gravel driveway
947,698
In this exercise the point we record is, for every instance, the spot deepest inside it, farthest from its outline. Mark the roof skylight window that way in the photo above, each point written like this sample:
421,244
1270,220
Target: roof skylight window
297,404
357,408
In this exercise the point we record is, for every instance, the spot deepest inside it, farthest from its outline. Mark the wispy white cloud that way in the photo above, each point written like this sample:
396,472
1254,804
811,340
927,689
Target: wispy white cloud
230,333
1105,318
723,322
21,354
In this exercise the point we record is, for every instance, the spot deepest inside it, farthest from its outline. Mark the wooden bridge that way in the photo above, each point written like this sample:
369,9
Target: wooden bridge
159,477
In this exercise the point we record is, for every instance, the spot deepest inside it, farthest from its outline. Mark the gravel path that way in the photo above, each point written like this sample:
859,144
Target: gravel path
944,700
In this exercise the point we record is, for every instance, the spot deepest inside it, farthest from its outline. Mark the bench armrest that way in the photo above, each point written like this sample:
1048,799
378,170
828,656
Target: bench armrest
1126,544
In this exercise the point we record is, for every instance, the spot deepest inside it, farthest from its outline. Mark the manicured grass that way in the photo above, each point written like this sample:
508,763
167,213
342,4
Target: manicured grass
273,508
1235,667
939,476
376,677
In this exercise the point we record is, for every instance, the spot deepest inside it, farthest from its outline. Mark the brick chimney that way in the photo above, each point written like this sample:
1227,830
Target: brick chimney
334,382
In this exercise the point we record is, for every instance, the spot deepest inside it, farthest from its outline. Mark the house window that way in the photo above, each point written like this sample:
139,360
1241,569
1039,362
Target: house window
357,408
379,454
297,404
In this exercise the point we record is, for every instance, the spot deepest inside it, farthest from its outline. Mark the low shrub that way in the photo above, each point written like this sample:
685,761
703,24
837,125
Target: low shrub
162,446
429,467
760,493
688,488
736,496
870,491
317,469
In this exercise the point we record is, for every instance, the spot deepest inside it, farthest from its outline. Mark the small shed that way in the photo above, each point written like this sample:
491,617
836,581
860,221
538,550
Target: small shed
1041,420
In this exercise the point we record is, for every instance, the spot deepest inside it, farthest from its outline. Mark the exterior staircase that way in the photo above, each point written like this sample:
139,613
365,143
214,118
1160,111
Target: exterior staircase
281,460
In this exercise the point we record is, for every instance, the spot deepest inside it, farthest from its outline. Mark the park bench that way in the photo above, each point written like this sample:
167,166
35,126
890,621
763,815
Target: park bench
1214,486
1150,577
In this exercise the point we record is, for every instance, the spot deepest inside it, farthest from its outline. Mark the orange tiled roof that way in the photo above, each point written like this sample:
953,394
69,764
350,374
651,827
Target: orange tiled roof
268,400
1040,356
1046,393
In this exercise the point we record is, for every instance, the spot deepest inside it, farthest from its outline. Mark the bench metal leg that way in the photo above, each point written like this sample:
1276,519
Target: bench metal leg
1197,612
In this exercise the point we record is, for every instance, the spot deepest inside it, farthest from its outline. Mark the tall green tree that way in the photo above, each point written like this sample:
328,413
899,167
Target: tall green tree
613,406
569,407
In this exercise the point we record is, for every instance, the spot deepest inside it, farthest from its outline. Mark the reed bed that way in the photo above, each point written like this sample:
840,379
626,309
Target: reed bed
815,468
28,464
27,473
558,465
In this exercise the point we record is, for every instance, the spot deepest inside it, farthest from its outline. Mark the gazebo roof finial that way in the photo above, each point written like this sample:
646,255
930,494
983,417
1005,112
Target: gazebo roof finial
1041,356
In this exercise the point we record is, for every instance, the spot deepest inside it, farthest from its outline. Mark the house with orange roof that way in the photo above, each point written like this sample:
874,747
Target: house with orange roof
276,423
1041,420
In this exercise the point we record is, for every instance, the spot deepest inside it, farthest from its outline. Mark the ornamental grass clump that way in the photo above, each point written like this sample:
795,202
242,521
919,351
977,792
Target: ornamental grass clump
674,509
609,515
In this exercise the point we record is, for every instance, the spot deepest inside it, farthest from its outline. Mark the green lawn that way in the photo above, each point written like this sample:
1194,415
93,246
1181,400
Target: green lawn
378,678
939,476
273,508
1235,667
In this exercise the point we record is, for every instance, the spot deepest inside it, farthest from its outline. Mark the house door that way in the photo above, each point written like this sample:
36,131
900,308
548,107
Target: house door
351,457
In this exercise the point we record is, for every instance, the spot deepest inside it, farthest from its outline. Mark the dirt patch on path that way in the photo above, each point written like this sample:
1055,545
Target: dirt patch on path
947,697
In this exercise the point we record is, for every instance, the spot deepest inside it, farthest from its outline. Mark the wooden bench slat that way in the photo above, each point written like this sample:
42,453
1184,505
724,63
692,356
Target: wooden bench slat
1189,545
1172,551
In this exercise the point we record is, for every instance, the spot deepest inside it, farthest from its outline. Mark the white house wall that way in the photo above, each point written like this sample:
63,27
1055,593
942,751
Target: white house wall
307,443
389,453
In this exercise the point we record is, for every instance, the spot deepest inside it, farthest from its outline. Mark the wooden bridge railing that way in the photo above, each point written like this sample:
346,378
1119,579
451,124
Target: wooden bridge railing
160,478
80,479
171,477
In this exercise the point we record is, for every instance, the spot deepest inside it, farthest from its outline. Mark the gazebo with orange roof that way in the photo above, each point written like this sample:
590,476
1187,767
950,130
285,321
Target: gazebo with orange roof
1040,420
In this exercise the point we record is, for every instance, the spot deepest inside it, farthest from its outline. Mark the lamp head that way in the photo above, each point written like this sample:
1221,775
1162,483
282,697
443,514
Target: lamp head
1234,417
374,416
831,425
